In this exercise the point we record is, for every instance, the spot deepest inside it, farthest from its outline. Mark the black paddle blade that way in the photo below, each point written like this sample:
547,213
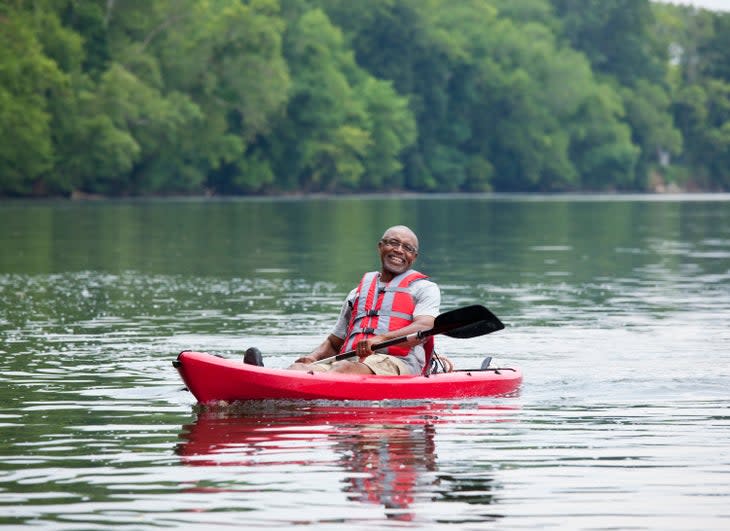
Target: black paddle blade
471,321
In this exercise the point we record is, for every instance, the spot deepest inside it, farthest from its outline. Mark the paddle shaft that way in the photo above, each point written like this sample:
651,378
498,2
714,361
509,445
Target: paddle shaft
421,334
471,321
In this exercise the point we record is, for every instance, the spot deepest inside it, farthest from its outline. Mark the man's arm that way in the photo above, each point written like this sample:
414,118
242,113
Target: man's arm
329,347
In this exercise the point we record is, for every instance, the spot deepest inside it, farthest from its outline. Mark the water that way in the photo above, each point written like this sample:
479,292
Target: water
617,310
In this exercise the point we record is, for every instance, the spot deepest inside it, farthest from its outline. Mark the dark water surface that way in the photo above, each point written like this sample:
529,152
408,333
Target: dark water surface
617,310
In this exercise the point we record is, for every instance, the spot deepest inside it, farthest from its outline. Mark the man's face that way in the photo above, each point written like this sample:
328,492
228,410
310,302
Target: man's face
398,250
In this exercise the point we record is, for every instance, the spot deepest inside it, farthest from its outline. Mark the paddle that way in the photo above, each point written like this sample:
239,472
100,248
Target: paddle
462,323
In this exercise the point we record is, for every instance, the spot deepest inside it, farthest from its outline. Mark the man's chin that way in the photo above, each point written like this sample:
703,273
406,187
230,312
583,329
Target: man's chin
395,271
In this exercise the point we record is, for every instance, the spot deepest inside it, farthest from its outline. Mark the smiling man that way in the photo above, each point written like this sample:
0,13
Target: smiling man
393,302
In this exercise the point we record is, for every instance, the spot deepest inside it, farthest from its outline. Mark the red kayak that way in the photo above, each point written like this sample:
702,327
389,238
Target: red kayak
212,378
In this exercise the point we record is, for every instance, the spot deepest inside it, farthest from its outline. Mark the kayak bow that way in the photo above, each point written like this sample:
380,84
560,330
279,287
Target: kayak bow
212,378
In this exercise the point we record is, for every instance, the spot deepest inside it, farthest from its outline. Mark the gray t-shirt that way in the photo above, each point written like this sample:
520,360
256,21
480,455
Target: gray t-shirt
427,298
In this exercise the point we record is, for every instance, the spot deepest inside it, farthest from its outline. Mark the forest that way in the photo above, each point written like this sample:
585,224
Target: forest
119,98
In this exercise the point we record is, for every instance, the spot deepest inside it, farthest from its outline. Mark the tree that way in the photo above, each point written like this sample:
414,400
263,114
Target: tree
26,74
227,56
649,115
343,129
602,149
703,110
713,50
392,129
616,37
700,98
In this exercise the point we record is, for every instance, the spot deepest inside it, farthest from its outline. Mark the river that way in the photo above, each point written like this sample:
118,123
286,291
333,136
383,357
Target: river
617,310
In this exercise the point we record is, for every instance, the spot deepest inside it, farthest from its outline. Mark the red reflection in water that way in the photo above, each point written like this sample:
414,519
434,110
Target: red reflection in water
384,450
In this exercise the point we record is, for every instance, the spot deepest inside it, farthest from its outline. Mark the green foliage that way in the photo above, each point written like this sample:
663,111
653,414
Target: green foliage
603,151
324,122
270,96
700,97
704,113
648,113
392,128
343,129
615,36
714,49
26,75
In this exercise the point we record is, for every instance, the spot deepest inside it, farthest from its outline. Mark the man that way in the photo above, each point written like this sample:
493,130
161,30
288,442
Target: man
393,302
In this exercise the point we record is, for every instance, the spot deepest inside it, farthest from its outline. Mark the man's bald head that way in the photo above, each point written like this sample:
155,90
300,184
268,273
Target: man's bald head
402,233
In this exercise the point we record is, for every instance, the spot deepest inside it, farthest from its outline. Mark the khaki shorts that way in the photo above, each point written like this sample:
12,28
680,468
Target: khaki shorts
380,364
385,365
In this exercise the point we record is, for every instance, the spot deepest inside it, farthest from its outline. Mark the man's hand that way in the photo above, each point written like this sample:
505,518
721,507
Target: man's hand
365,347
328,348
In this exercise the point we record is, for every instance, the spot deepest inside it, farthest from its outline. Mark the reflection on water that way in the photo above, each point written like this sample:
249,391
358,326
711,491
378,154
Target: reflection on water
387,455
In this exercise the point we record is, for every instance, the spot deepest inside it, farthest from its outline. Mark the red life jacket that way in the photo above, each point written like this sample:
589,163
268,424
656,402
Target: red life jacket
377,311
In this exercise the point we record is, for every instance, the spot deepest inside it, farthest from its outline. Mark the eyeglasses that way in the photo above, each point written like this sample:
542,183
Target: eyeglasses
395,244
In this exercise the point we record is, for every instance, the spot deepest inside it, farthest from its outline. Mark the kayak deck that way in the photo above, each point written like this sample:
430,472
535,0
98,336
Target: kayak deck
211,378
